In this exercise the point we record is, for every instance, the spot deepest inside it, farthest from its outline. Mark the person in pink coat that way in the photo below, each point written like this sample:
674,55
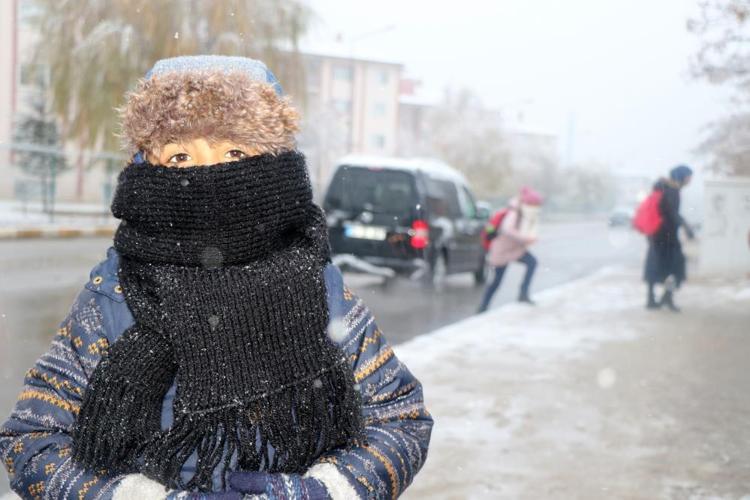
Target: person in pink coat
510,241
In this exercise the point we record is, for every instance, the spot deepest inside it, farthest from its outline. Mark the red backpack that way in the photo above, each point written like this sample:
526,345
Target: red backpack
648,217
492,227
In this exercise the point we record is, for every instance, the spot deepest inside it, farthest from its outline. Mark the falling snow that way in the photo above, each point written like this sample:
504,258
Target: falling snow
213,321
212,257
606,378
337,330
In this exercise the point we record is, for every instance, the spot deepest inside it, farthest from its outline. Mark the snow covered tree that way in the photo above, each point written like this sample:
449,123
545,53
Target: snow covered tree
38,149
97,49
470,138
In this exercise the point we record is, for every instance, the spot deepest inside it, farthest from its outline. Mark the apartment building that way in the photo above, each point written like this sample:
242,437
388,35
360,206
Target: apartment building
351,106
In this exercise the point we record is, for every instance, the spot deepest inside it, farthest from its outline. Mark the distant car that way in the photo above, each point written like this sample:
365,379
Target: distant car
621,217
407,217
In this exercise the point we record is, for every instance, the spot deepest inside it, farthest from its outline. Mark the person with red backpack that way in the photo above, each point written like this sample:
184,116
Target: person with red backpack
509,233
659,219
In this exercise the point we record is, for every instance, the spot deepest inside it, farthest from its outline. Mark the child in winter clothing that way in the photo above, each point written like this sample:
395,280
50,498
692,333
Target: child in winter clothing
216,349
518,230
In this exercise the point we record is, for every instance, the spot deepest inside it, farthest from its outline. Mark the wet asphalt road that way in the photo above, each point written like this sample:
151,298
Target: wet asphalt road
39,279
566,251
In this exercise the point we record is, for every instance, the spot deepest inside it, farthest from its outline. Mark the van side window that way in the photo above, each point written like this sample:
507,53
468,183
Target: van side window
442,198
468,206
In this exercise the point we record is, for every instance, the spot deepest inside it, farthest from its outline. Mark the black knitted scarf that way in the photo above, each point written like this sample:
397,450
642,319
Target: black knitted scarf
222,268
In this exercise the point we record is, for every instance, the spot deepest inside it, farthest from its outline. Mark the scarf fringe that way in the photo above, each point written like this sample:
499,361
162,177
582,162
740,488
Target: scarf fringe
325,414
122,411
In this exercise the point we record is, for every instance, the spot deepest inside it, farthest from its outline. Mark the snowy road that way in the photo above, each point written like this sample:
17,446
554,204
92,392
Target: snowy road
565,251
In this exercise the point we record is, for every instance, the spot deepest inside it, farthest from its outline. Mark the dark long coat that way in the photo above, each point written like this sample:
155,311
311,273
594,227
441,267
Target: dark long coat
665,257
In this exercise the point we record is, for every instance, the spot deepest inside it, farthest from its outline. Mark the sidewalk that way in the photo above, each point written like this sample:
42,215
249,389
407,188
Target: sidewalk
71,220
590,396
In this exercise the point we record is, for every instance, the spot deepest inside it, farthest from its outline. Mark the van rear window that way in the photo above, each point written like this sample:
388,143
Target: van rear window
356,190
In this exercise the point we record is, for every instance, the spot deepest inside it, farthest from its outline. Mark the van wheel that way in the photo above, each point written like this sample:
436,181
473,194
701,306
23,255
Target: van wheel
437,273
482,272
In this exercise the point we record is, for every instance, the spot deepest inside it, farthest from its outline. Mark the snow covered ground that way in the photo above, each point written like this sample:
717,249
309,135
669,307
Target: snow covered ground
590,396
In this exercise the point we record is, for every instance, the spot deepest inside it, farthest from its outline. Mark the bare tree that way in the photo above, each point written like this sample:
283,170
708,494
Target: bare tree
728,145
470,138
723,27
724,58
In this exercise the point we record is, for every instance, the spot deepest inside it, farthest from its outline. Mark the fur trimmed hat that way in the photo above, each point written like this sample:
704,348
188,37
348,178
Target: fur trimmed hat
217,98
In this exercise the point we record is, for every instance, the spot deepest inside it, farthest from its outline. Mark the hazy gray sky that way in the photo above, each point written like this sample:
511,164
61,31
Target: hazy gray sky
615,72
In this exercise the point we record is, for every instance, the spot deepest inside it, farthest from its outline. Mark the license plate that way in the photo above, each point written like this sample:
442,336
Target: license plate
362,232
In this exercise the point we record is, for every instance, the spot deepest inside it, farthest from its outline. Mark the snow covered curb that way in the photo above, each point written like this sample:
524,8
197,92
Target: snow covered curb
14,233
510,324
72,220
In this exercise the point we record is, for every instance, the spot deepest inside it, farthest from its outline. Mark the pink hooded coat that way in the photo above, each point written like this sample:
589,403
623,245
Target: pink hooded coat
510,244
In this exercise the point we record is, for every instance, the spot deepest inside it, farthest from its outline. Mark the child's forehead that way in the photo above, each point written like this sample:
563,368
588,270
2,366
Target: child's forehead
199,141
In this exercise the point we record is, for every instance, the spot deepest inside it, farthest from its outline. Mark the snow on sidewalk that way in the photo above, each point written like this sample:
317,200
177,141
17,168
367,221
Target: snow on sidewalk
589,395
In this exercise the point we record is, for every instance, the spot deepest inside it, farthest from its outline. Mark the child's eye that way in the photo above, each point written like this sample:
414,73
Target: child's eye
179,158
235,154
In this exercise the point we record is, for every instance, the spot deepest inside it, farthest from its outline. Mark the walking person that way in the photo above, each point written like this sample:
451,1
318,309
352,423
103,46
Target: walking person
665,261
512,231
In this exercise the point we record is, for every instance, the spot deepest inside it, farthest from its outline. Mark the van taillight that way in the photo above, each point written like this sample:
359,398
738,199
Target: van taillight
420,234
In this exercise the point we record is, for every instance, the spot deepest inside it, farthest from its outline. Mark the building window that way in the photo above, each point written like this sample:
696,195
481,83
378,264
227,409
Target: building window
313,76
378,141
342,73
383,77
379,108
342,105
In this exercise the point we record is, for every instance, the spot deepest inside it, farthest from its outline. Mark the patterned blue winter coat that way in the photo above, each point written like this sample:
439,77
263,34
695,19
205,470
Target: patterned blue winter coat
35,442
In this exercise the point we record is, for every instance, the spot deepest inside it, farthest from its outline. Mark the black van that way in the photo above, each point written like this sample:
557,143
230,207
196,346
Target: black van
416,218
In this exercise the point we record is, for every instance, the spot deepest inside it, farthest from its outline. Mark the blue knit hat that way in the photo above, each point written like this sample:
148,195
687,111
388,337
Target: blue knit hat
680,173
256,69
